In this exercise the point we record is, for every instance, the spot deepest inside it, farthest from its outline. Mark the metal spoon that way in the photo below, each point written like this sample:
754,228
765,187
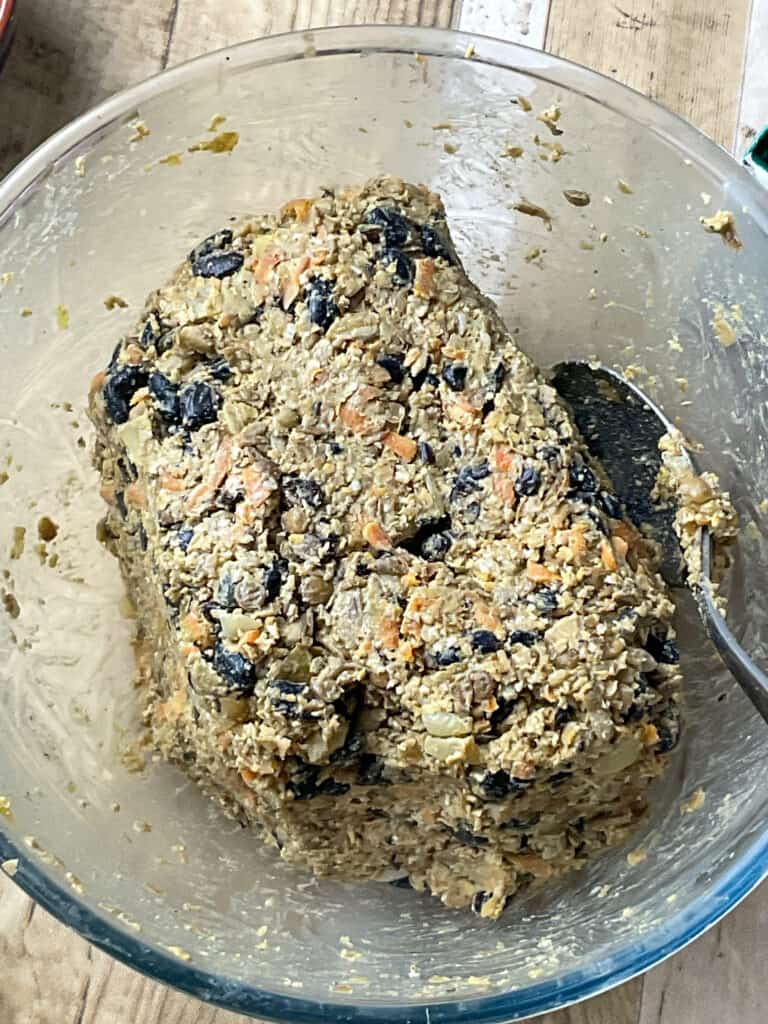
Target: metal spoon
621,428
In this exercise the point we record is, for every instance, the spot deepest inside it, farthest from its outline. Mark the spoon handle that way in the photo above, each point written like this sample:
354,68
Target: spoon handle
752,679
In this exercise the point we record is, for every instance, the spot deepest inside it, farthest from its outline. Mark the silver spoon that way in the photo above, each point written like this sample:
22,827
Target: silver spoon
621,428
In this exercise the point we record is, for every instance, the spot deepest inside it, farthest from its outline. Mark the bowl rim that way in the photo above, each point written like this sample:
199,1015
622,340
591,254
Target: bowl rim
745,872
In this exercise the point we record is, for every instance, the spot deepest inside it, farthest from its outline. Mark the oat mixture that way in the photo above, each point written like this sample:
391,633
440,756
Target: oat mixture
390,613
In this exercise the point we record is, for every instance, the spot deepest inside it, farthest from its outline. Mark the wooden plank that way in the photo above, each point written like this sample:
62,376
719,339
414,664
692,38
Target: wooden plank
753,115
687,54
199,28
67,56
718,978
521,21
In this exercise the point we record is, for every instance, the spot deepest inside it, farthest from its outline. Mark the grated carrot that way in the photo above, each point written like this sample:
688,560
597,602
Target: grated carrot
221,467
539,573
135,496
424,278
403,446
607,557
377,537
352,418
169,481
504,488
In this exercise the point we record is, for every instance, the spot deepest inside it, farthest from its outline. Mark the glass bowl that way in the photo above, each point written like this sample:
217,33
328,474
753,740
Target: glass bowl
124,849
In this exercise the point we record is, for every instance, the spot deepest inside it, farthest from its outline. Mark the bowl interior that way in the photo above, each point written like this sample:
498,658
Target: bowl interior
632,279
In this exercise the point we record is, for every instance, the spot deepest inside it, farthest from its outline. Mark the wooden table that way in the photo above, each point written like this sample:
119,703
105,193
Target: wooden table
691,55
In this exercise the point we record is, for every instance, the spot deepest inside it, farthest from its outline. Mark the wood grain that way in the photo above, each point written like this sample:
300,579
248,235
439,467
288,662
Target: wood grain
687,54
72,53
201,27
68,55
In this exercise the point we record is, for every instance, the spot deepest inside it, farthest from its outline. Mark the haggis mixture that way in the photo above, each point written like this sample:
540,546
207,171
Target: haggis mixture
390,612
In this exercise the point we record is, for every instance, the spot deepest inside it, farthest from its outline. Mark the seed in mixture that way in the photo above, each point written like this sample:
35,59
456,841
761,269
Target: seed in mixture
372,561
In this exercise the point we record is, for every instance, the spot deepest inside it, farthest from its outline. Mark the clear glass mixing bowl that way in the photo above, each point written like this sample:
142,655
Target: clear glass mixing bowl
136,860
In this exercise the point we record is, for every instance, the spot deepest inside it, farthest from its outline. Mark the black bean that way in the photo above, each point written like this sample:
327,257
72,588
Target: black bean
468,479
448,656
661,649
420,377
218,264
392,362
395,228
497,785
497,377
166,396
303,490
213,243
362,570
455,375
425,453
120,388
220,369
485,642
582,479
185,536
668,738
115,356
335,448
435,547
478,901
523,636
319,298
287,686
469,838
199,405
272,581
236,669
289,708
528,482
120,502
471,512
563,715
402,273
544,599
610,504
371,770
424,542
434,244
150,332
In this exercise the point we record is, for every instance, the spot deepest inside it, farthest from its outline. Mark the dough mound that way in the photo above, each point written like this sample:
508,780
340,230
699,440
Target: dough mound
390,612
